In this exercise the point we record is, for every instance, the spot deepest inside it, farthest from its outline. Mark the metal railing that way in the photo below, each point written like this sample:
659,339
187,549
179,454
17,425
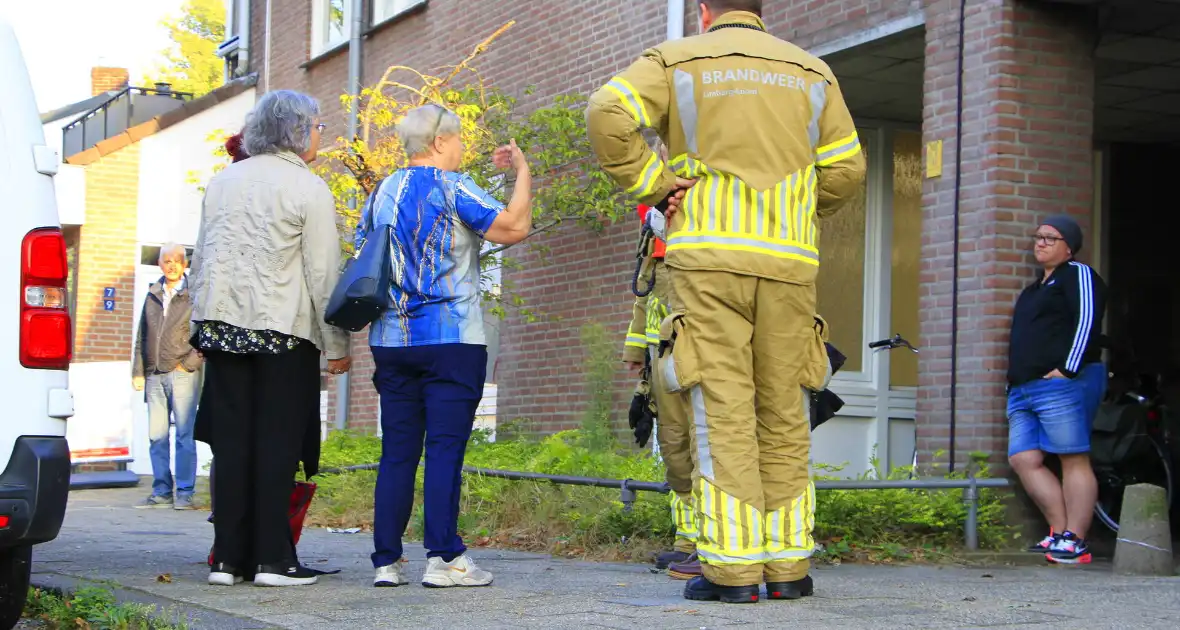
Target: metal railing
122,120
629,487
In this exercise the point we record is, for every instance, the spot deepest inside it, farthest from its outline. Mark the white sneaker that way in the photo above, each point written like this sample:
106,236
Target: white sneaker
390,575
459,572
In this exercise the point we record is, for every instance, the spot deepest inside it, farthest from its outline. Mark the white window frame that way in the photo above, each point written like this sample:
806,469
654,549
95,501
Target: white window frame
377,11
320,43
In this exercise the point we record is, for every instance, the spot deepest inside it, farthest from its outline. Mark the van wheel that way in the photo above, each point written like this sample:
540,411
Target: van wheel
15,566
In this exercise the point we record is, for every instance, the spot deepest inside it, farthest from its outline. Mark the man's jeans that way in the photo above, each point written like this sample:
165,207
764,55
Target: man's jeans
175,393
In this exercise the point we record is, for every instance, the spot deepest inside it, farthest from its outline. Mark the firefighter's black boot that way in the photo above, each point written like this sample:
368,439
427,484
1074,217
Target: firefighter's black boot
701,589
803,587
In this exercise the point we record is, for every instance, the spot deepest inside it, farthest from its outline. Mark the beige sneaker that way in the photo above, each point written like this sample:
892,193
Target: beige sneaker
459,572
390,575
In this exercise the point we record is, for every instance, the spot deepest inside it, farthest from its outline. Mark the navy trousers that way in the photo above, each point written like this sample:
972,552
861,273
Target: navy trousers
429,395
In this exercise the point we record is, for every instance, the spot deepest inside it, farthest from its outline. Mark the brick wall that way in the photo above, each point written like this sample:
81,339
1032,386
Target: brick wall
107,79
1028,127
107,252
1026,152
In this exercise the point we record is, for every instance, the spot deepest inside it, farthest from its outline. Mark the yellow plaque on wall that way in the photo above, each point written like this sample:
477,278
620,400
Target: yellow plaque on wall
933,159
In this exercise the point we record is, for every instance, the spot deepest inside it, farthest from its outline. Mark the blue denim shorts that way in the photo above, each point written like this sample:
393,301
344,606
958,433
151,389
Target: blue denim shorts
1052,415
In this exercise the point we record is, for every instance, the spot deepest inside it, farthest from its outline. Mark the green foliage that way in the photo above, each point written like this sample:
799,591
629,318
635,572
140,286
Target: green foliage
875,525
568,185
600,366
192,64
896,523
94,609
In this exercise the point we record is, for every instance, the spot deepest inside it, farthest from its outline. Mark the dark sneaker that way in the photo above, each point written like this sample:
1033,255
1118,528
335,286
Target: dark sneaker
183,503
800,588
155,501
666,558
1046,543
690,568
222,574
1069,550
283,575
701,589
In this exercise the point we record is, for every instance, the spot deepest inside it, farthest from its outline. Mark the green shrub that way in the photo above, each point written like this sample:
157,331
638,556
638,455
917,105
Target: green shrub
590,522
93,609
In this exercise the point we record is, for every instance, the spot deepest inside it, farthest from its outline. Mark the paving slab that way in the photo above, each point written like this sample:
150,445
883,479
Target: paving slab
104,540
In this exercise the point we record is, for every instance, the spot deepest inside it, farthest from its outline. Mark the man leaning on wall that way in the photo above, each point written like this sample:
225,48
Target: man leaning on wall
762,143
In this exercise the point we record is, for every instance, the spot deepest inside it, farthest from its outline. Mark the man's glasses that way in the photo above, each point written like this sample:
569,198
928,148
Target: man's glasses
1045,239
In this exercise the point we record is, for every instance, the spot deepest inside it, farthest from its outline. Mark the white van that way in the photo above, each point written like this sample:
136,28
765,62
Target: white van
36,340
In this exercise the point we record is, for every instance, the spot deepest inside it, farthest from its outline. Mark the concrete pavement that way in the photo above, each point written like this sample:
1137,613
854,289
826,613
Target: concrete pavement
105,539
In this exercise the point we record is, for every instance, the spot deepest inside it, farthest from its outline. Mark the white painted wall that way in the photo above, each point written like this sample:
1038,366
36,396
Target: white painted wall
70,182
170,206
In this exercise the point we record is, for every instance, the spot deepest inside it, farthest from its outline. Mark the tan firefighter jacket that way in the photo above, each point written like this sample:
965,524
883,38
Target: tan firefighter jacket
758,122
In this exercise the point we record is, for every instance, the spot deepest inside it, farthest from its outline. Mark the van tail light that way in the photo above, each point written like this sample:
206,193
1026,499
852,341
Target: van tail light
46,340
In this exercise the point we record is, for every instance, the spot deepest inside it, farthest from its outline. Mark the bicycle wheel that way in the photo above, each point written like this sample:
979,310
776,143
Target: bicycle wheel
1112,482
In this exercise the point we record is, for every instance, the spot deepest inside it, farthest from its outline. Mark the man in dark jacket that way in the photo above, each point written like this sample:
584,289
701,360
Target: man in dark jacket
1054,370
168,368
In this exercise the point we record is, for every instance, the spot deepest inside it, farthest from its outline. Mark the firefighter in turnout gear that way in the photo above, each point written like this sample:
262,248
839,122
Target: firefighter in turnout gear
762,146
672,428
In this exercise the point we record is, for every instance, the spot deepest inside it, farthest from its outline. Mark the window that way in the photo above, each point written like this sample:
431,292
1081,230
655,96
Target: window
330,24
386,9
840,287
237,35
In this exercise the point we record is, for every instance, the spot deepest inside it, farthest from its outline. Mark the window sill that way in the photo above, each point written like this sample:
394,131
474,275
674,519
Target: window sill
324,55
394,19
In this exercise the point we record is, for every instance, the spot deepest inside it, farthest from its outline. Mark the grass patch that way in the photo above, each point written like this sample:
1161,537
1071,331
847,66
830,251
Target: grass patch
93,608
572,521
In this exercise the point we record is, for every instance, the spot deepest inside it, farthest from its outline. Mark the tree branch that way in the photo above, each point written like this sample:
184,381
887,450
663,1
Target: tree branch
544,228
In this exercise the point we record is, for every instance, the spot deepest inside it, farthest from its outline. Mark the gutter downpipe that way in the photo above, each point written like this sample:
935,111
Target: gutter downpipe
266,50
955,264
354,89
675,19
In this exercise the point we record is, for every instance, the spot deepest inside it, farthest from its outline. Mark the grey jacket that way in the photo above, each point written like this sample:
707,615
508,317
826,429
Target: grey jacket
162,340
268,252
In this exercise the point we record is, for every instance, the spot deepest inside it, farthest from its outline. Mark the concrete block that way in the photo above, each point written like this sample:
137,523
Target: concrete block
1144,541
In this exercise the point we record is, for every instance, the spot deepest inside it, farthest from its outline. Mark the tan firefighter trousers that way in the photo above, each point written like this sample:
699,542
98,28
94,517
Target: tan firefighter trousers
672,427
743,349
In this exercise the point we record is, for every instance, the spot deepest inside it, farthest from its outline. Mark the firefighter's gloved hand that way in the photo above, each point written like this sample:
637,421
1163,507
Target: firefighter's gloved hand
824,406
640,419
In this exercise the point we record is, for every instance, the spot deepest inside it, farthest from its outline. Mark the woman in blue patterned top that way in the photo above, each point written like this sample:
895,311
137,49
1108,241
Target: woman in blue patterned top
429,347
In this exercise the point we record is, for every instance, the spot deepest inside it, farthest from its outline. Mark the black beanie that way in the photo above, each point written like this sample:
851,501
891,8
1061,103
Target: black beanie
1070,231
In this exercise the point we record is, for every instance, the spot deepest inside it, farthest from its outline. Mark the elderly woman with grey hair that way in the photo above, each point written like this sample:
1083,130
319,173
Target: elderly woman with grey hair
266,262
429,348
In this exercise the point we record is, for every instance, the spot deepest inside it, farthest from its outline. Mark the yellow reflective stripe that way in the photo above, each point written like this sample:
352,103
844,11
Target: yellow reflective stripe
685,519
797,207
648,176
841,149
811,196
636,340
850,138
631,99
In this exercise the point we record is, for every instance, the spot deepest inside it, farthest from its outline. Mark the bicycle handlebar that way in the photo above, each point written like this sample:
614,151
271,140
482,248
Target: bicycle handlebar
892,343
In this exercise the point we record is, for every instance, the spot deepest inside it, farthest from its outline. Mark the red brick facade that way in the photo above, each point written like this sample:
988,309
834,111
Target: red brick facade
107,249
1028,129
1028,132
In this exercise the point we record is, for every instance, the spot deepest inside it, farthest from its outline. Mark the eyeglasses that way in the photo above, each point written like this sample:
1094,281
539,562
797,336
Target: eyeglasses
1045,239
